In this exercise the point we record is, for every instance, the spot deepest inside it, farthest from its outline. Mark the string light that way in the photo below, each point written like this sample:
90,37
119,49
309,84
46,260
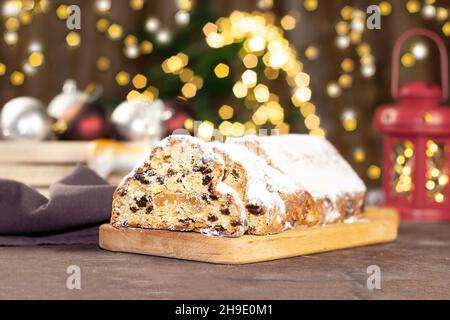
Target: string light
103,64
189,124
205,130
420,51
265,4
240,90
35,46
136,4
310,5
359,155
73,39
131,52
174,64
256,43
428,11
152,24
133,95
262,93
122,78
139,81
11,38
413,6
262,39
115,31
62,12
17,78
249,78
373,172
446,29
333,90
146,47
189,90
385,8
226,112
36,59
312,122
221,70
163,36
288,22
185,4
312,53
437,179
182,18
2,69
102,25
198,81
186,75
103,5
349,121
348,65
441,14
408,60
403,168
307,108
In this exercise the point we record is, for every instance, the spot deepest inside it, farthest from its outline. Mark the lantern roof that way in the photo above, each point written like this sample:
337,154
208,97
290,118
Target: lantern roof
418,112
421,90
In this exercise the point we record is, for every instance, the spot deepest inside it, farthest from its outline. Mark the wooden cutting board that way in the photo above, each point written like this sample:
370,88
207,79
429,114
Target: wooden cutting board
380,225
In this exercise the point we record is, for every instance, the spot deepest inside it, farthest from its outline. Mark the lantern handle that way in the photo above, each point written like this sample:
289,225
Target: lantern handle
442,52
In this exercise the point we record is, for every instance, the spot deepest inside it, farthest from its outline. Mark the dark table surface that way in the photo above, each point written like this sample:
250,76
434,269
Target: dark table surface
416,266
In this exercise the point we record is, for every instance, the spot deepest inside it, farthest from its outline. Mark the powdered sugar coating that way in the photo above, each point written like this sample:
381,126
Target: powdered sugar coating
208,152
311,163
258,176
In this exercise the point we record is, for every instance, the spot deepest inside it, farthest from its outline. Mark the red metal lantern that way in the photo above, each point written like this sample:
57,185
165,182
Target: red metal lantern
417,142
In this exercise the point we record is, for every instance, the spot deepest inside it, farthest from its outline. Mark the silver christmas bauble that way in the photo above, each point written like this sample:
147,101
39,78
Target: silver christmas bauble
140,119
69,97
24,118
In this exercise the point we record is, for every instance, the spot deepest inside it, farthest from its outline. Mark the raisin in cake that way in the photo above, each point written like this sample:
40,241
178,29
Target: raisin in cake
314,165
180,188
273,204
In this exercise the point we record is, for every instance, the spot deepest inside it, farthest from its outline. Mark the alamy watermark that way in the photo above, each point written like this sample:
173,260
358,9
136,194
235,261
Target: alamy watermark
374,280
373,20
73,21
73,281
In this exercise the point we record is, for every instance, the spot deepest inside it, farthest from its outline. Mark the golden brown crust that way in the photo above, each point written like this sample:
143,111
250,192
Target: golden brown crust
301,209
344,207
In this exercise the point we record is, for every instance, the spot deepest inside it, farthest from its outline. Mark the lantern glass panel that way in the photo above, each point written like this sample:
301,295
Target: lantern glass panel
436,173
403,168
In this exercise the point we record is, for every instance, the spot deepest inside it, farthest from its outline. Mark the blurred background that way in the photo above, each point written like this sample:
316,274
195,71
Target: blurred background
303,66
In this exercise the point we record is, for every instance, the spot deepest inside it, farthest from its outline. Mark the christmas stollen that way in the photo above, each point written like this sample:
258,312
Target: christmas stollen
229,189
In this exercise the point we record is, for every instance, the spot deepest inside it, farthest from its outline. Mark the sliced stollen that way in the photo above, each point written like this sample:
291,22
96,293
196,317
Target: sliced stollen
273,204
180,188
313,164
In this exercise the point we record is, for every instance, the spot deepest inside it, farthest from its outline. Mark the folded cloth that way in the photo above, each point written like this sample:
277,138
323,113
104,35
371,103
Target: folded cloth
77,205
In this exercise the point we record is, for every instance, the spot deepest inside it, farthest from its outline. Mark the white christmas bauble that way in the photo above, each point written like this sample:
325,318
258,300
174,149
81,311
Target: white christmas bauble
140,119
24,118
65,100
